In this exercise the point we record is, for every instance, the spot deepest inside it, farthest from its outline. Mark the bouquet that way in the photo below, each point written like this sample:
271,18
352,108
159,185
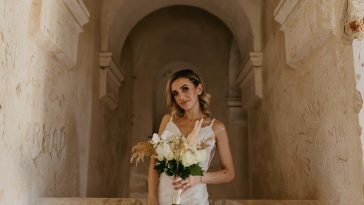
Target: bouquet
176,155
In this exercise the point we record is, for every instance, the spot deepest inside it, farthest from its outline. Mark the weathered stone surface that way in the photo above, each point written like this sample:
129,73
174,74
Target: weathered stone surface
358,52
354,19
111,79
304,35
45,109
306,135
56,26
251,82
131,201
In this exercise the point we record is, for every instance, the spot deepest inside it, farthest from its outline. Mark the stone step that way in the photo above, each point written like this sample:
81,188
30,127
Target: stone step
133,201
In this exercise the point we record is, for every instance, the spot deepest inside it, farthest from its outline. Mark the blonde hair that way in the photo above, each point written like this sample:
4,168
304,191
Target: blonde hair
204,98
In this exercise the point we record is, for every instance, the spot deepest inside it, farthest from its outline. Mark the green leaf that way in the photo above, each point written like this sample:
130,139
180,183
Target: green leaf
160,166
195,170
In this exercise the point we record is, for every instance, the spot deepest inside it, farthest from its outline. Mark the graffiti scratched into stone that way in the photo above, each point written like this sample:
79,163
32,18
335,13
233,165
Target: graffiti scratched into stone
46,139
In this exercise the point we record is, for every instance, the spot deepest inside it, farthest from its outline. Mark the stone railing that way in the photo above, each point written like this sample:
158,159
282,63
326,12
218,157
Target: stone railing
131,201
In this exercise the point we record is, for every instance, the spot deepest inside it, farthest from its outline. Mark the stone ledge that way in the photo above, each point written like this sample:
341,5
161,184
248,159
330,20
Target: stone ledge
133,201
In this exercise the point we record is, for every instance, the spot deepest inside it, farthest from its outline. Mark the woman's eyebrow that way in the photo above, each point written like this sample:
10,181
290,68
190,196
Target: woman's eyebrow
184,85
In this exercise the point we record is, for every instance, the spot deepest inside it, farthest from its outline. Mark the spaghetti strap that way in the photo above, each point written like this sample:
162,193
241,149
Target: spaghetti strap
170,120
212,122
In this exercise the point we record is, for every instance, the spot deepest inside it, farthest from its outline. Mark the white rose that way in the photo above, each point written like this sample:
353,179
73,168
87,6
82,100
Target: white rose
201,155
155,138
163,151
189,158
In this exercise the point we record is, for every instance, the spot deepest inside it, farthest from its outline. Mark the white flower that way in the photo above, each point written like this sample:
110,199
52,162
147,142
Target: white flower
201,155
165,135
155,139
191,157
163,151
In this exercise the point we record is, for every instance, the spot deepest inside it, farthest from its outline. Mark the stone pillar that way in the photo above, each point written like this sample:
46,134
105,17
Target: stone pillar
250,83
354,28
317,49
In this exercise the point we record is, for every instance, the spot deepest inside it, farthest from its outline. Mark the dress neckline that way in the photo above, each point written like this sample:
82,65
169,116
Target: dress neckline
179,130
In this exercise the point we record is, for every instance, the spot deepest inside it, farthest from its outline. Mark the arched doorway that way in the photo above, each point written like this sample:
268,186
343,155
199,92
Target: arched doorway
235,38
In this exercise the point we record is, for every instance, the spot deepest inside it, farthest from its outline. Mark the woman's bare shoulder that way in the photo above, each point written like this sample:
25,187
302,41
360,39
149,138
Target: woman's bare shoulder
166,116
218,126
165,120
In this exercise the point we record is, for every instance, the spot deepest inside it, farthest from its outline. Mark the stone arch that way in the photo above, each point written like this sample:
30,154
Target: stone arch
246,30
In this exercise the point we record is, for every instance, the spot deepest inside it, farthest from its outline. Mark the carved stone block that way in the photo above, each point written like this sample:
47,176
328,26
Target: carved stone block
251,82
111,79
307,25
56,27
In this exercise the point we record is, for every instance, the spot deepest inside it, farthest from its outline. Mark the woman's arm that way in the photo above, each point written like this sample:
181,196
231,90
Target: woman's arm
227,173
152,173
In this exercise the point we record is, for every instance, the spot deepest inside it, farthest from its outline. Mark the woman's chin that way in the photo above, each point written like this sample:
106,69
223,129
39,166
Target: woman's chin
185,106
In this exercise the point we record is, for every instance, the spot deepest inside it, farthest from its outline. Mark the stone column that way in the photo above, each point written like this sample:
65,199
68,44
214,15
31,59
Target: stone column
251,86
354,28
317,48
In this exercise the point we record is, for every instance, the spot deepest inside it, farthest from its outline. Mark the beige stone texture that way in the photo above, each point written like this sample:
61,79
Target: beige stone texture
45,104
81,81
306,143
131,201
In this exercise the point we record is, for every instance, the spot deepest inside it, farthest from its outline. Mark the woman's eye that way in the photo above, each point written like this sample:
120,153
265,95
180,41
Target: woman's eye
184,89
174,94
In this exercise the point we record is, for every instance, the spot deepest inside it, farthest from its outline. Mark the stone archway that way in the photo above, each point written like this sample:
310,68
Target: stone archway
242,17
208,45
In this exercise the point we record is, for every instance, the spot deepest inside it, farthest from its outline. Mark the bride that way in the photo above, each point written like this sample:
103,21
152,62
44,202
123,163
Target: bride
189,102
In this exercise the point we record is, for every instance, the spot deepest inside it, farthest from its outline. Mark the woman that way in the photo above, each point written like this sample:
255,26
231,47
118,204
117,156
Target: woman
190,116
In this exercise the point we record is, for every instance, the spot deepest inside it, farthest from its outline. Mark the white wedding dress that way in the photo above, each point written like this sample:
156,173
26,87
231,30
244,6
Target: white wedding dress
197,194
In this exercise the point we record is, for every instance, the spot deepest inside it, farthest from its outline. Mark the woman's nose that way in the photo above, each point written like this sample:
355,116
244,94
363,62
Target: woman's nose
181,96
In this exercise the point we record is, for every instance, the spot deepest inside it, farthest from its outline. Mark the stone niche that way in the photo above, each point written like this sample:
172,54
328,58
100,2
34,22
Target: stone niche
56,25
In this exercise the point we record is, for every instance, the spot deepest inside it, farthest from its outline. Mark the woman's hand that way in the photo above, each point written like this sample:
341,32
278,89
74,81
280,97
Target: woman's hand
179,183
191,138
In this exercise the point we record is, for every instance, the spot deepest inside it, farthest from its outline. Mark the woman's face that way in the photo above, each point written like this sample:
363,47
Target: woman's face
185,93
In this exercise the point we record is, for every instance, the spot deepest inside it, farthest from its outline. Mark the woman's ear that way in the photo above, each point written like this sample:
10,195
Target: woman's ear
199,89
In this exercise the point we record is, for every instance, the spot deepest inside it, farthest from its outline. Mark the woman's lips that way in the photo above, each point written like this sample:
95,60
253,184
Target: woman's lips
184,102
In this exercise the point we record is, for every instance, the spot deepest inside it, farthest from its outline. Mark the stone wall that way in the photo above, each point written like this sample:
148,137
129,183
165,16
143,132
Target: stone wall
46,95
358,51
305,137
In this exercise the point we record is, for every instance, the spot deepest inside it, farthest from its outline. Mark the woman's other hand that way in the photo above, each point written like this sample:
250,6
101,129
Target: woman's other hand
179,183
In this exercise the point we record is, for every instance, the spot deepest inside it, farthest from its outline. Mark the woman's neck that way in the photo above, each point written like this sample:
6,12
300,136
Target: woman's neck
193,114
